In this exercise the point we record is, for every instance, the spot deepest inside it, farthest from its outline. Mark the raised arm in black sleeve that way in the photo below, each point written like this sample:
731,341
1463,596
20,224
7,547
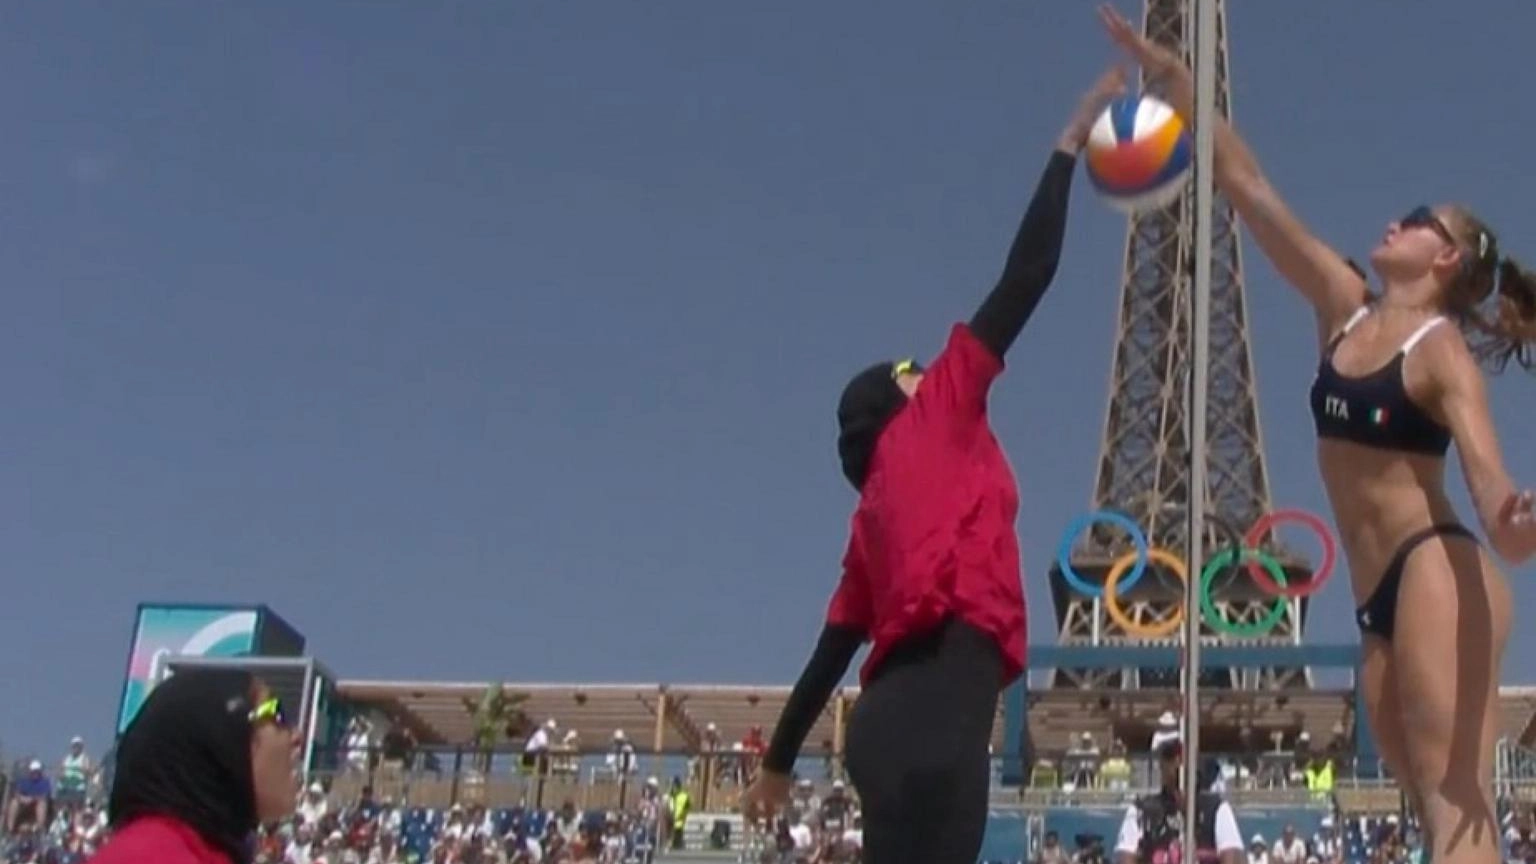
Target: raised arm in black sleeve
834,650
1032,260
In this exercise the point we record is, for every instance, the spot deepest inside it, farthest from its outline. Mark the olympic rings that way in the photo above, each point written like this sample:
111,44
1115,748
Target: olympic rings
1218,621
1319,576
1114,517
1267,572
1112,599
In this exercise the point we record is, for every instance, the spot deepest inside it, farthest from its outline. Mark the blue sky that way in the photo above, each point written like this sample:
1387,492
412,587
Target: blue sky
502,339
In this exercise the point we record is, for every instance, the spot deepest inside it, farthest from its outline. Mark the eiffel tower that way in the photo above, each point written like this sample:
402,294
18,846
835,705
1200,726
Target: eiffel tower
1144,461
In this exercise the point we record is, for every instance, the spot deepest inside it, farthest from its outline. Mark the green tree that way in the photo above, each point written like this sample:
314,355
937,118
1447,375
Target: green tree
496,716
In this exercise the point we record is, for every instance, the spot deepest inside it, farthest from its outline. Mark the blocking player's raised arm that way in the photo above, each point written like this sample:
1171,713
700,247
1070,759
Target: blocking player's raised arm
1036,249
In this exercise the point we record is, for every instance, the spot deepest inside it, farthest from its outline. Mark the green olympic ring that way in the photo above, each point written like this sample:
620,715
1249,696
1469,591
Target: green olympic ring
1226,558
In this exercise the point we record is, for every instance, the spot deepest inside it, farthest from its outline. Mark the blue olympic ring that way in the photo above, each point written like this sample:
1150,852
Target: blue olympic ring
1114,517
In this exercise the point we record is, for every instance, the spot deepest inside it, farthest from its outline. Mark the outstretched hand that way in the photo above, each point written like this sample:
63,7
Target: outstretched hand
1109,86
767,794
1153,58
1517,527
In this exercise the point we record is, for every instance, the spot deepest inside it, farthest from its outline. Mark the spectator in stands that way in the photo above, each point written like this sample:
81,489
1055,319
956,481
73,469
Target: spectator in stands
836,807
1258,850
568,819
565,757
74,776
1150,830
1289,849
1325,843
359,745
302,845
621,758
1522,847
1082,762
678,805
1389,843
396,749
454,829
1115,773
802,838
1167,730
31,798
1520,837
207,759
1318,775
91,826
1051,851
313,805
479,822
803,801
753,747
536,749
1339,748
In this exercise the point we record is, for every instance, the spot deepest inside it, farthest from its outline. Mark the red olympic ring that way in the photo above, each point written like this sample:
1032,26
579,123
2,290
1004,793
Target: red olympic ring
1319,576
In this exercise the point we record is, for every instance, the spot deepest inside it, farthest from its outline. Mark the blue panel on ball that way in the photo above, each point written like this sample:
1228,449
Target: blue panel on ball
1122,113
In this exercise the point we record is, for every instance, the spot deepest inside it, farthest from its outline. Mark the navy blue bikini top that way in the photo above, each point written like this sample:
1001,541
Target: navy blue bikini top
1374,409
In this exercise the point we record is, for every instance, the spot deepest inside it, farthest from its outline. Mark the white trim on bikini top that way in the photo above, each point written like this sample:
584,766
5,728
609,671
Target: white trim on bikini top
1412,340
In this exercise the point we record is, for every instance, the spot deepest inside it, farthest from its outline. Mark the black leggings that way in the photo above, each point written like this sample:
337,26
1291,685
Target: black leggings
917,748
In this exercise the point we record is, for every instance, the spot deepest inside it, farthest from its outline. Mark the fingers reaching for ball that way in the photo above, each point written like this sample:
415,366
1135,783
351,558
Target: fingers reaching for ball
1154,59
1110,86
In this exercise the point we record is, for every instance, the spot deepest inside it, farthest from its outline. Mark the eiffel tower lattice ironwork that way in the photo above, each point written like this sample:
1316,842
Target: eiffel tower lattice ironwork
1144,461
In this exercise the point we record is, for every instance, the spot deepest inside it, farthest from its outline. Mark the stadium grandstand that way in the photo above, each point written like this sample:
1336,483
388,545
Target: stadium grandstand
620,773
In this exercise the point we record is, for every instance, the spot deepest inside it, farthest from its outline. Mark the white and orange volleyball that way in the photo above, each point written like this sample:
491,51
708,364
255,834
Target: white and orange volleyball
1139,153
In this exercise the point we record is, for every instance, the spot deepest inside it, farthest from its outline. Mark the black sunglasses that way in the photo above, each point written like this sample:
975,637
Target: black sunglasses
1424,217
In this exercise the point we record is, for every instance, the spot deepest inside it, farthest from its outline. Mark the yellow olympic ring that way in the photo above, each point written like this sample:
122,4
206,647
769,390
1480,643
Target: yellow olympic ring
1112,598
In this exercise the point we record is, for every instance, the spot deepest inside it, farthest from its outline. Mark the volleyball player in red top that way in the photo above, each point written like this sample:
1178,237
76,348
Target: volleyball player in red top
931,575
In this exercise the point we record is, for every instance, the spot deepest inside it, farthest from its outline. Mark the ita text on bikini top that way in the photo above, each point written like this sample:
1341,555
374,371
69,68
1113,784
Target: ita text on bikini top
1374,409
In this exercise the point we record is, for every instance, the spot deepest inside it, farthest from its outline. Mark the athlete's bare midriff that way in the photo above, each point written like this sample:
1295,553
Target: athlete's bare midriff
1379,499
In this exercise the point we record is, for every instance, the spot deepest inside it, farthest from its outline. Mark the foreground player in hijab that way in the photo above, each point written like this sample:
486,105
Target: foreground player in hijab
1396,384
206,760
931,574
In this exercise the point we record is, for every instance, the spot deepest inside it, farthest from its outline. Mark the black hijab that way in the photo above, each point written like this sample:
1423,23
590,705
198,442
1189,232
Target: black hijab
869,402
187,755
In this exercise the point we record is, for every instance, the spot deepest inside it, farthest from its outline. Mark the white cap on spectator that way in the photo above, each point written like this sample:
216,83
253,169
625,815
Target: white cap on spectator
316,789
837,784
1167,719
1327,822
618,735
34,765
551,724
652,781
1258,840
76,740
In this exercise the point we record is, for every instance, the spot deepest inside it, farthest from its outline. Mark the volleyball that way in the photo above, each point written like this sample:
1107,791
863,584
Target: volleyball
1139,154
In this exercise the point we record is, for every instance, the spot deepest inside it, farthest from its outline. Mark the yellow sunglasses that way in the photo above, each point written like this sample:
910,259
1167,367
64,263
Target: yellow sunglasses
270,711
